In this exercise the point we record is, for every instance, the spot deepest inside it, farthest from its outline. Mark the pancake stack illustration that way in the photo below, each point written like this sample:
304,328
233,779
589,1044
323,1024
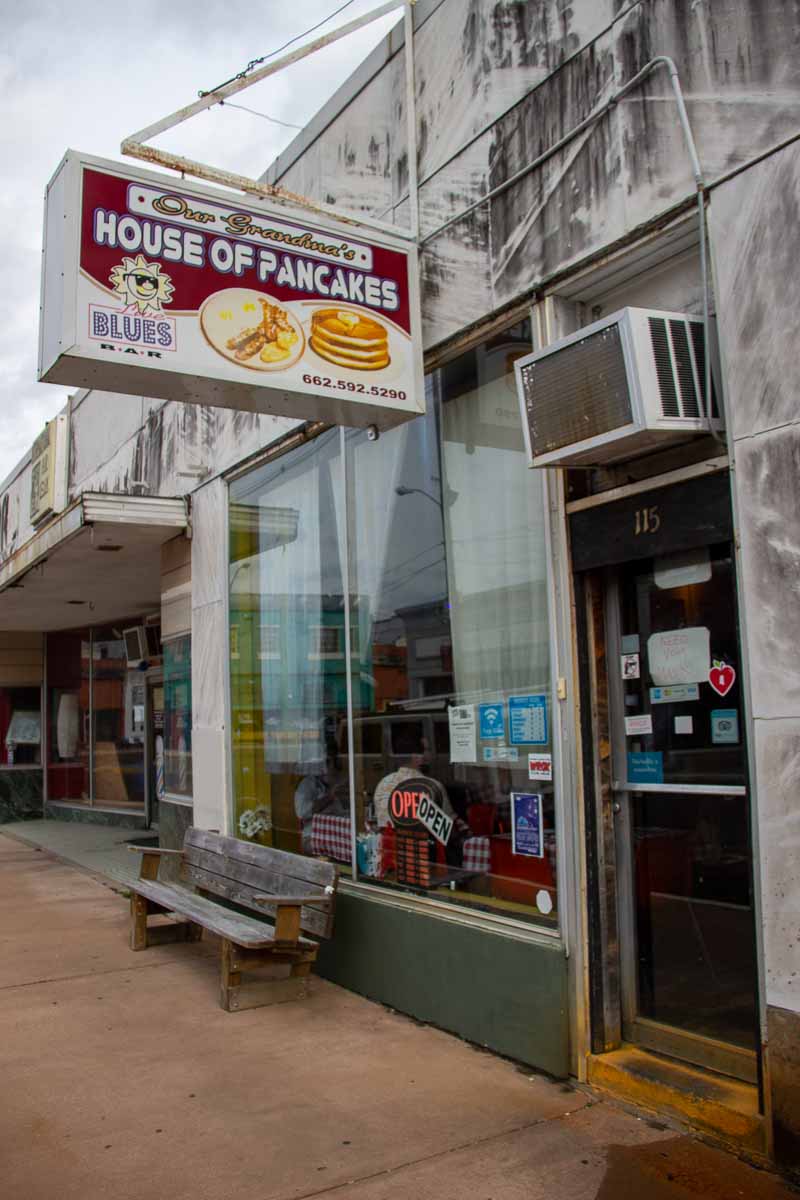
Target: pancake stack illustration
349,339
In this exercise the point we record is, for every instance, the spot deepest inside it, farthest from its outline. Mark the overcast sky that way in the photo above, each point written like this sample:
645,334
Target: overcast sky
84,76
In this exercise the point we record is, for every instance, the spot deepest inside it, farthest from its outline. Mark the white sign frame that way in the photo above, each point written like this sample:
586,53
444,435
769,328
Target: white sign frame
67,355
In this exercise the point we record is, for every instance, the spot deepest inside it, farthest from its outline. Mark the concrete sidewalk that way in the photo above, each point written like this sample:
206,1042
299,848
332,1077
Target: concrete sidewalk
123,1080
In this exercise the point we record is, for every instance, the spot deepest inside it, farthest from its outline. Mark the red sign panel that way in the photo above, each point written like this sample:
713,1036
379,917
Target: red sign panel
158,286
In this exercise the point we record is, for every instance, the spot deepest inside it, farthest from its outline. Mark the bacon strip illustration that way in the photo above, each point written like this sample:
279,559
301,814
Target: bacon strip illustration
249,341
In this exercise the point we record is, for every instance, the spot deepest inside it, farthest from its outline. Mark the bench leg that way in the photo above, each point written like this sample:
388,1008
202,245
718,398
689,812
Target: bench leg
158,935
258,993
230,978
138,923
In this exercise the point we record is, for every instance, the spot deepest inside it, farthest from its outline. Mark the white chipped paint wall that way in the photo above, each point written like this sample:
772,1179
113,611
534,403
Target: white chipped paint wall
15,509
137,446
536,69
754,221
210,748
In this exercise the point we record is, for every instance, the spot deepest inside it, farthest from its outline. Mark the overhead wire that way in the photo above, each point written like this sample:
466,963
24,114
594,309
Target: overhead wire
256,62
244,108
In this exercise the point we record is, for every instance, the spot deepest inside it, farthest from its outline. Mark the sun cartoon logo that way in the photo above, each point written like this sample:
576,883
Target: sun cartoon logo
141,285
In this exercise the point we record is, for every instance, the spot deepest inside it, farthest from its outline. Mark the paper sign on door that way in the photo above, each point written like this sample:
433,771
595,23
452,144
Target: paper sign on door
679,655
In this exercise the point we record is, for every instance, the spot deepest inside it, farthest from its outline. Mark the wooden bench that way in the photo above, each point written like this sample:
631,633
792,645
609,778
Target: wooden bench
297,893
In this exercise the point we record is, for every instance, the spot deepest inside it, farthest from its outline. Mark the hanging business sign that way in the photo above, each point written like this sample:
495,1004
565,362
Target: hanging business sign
156,286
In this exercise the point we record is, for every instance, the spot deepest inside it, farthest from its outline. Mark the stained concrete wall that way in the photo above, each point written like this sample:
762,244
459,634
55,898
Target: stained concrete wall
130,444
210,742
535,70
754,221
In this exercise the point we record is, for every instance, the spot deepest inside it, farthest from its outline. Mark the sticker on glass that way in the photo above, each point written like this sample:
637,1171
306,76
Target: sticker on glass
645,768
463,747
722,677
630,666
527,720
526,824
641,723
540,766
492,721
675,693
500,754
724,726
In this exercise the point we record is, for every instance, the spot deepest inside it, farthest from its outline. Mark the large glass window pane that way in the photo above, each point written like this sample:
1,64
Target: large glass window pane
177,733
68,725
287,652
118,711
451,681
20,726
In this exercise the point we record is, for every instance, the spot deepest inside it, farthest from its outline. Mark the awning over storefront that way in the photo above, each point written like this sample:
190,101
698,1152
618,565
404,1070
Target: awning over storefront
98,561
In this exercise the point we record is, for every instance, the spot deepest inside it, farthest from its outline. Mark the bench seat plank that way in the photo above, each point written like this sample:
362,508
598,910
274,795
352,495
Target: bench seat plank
234,927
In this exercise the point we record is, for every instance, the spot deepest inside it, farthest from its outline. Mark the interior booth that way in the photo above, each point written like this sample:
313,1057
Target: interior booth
85,707
391,696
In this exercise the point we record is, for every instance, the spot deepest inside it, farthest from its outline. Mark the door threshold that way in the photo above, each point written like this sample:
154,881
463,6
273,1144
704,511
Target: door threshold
722,1109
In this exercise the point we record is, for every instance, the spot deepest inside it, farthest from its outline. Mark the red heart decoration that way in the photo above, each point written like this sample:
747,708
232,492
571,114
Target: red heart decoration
722,678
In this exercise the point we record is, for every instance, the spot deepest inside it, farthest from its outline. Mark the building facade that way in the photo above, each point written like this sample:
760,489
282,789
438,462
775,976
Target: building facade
274,628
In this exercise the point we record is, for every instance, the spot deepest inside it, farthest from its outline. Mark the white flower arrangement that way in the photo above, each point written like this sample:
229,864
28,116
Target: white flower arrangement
254,821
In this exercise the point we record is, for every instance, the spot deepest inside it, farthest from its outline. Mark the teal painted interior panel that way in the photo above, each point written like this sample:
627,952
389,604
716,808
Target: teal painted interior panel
507,995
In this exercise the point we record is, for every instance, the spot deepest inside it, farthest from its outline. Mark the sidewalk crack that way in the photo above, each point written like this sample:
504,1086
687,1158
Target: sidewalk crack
413,1162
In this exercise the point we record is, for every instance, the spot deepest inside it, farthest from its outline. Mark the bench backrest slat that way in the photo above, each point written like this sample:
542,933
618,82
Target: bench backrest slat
237,870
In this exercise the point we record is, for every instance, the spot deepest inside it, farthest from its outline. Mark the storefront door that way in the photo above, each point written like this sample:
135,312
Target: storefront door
677,784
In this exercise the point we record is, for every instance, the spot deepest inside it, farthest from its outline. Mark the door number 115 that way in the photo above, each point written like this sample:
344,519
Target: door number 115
648,520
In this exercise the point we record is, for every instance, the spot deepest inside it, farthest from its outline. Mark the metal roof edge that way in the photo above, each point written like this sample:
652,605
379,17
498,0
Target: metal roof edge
116,509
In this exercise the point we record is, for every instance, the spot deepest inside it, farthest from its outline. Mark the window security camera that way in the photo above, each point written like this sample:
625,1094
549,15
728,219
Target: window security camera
373,433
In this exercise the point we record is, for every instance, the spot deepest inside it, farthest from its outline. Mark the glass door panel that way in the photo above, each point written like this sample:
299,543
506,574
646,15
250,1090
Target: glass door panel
680,776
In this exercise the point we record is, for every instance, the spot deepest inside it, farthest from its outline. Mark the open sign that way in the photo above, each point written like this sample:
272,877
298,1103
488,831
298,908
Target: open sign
415,803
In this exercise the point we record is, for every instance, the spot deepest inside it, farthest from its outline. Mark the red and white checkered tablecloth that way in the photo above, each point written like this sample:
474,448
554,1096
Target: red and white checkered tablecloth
477,855
331,837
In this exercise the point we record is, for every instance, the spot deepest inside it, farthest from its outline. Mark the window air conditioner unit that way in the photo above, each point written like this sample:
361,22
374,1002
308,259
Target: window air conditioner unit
135,645
630,383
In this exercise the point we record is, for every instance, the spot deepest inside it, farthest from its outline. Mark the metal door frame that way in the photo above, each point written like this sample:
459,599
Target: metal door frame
724,1057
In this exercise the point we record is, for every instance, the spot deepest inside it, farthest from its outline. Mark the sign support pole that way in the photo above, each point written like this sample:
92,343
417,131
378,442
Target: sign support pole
135,145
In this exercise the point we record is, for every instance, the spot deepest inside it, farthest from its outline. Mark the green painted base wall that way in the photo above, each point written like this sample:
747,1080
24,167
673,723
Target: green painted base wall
507,995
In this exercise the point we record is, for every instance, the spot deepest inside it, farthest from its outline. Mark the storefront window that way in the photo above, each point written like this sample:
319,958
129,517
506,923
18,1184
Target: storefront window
68,705
96,701
177,729
118,711
448,573
287,659
449,649
20,726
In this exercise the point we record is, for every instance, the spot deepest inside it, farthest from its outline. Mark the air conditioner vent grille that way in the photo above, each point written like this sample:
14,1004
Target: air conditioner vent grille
684,369
663,361
698,344
579,393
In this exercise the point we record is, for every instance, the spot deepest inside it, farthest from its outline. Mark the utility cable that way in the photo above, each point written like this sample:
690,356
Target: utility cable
256,62
244,108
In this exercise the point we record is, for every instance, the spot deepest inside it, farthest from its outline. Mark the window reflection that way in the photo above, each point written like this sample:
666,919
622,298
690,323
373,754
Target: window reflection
443,527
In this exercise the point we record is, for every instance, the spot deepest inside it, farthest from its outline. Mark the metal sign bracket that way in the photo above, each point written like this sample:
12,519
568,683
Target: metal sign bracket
136,145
